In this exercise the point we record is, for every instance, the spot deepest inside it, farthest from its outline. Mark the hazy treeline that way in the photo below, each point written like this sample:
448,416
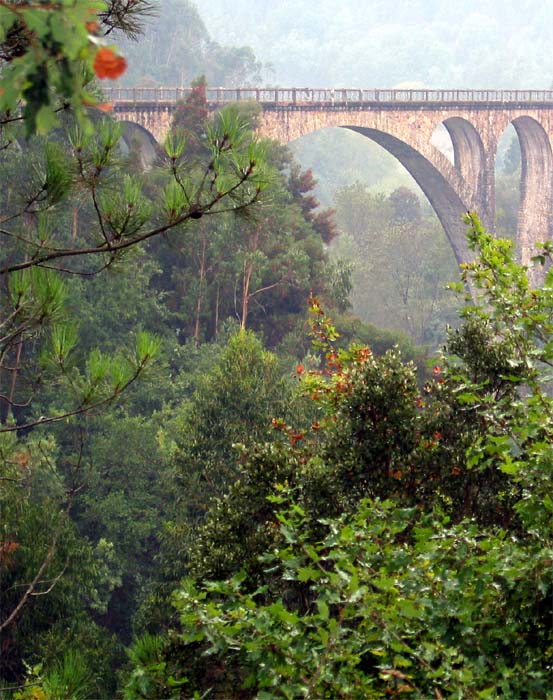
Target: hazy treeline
474,44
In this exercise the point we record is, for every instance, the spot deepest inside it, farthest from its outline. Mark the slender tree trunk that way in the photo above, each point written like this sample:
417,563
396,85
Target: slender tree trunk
4,405
246,280
216,312
75,224
7,403
15,372
199,300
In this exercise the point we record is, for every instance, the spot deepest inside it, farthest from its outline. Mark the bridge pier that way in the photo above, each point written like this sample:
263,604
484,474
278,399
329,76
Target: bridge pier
536,196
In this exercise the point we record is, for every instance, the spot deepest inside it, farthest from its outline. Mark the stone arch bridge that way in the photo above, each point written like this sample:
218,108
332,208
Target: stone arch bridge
403,122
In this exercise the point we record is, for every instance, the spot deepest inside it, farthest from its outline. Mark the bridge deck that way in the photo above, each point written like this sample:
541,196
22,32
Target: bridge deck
166,97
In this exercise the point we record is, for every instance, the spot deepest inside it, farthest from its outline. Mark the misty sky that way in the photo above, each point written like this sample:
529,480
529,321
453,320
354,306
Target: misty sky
436,43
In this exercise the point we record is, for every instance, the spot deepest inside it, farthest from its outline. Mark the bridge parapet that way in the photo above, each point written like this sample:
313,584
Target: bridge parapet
282,97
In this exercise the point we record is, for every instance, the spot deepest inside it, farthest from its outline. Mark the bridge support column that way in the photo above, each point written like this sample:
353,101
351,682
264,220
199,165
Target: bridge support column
536,195
476,167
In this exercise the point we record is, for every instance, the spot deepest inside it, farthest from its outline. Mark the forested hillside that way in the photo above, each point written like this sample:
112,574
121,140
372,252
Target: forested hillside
251,446
177,47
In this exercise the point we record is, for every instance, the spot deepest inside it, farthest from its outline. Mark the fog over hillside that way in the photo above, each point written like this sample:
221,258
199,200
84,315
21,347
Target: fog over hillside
474,43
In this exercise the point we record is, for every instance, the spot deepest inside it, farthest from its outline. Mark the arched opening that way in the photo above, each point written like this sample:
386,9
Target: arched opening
386,196
459,141
341,157
441,139
445,201
137,139
468,154
507,184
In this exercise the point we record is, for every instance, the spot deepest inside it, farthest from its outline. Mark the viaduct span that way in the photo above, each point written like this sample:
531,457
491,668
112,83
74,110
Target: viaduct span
403,122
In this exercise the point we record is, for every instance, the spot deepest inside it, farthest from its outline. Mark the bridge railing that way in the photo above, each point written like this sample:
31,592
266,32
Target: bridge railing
289,96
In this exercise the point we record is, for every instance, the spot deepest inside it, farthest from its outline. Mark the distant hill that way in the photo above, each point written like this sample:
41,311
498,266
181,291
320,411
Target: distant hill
474,43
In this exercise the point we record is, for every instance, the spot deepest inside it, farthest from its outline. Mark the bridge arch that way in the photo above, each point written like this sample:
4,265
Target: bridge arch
408,137
443,198
135,134
536,187
468,152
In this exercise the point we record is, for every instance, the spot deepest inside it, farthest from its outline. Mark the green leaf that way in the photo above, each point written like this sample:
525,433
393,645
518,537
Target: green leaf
323,609
46,119
508,466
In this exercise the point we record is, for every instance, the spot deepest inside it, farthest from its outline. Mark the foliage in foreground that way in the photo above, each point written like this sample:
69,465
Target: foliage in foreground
390,603
401,596
52,376
49,53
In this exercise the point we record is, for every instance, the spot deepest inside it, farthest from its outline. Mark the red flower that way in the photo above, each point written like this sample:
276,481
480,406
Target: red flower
363,354
107,64
6,551
437,370
296,437
300,369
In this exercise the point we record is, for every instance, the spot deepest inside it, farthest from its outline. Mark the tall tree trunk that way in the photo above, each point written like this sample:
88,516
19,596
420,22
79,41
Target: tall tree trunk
216,312
200,298
15,372
75,224
246,280
247,272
